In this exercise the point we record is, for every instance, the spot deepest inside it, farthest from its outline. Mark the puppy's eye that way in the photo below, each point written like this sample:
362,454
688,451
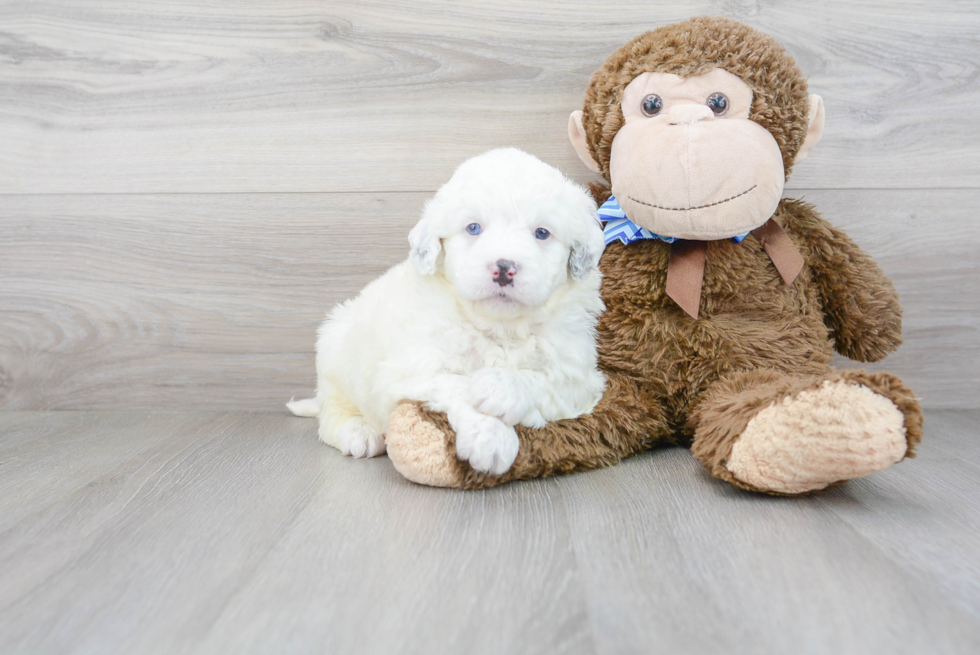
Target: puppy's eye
652,105
717,103
474,228
541,233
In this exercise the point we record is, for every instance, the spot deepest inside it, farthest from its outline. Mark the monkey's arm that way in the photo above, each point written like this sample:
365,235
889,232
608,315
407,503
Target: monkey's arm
860,303
422,445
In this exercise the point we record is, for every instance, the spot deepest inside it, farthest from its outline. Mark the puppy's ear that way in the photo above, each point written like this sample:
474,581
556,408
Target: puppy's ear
586,251
424,244
585,256
588,241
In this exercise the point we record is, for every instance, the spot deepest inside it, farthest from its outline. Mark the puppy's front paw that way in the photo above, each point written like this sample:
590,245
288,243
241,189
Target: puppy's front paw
359,440
498,392
487,444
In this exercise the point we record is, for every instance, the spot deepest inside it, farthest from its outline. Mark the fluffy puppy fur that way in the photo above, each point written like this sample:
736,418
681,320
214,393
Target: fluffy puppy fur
491,319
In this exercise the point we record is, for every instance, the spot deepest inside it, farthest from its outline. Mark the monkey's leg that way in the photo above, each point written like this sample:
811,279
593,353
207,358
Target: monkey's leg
767,431
626,421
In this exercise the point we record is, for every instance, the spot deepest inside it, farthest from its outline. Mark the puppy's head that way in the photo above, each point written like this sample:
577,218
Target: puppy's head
507,230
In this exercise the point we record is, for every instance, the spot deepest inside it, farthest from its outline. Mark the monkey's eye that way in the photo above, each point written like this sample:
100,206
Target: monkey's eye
541,233
652,105
717,103
474,228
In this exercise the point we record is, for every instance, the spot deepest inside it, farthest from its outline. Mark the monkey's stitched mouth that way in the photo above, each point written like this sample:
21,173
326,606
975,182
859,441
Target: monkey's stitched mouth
687,209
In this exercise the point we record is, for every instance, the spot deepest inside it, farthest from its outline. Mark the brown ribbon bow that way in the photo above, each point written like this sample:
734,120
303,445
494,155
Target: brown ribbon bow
685,268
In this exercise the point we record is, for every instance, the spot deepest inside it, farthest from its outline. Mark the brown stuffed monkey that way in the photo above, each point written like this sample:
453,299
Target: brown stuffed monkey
719,332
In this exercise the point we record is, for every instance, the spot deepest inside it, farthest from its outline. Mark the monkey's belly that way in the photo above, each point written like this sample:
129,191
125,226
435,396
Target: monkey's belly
749,319
662,343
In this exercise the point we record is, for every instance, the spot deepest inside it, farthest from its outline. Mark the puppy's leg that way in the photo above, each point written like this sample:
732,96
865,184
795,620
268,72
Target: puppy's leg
343,427
532,398
484,441
358,439
502,394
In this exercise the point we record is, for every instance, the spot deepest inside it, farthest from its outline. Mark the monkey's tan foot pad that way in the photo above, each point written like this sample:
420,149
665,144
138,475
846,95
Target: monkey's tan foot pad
419,450
831,433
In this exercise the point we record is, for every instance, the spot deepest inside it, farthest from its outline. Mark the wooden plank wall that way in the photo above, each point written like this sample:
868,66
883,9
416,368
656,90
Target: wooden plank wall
186,187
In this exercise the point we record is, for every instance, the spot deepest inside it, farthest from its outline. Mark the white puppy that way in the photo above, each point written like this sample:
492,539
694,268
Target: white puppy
491,319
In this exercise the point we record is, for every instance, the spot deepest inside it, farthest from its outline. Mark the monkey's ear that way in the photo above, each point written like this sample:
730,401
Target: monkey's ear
424,243
576,134
814,128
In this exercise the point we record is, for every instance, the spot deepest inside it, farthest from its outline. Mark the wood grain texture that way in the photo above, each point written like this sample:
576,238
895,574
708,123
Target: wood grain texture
178,96
236,532
931,502
209,297
929,245
682,562
212,301
187,187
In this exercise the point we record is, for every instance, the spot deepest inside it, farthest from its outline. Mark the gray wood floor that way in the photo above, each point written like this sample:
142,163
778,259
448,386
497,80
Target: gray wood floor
168,532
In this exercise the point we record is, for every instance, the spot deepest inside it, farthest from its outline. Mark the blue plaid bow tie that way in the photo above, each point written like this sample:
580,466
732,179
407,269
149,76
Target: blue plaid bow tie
622,228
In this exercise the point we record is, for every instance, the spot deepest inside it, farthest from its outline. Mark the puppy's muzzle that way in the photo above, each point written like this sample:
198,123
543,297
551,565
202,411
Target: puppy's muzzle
504,271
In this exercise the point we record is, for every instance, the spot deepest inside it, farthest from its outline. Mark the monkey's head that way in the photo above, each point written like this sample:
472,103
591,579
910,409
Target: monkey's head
696,125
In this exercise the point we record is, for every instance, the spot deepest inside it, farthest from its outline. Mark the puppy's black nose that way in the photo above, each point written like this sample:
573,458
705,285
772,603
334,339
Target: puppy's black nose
504,271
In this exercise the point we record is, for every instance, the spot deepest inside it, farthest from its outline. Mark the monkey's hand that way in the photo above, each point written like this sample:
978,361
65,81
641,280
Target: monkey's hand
860,303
